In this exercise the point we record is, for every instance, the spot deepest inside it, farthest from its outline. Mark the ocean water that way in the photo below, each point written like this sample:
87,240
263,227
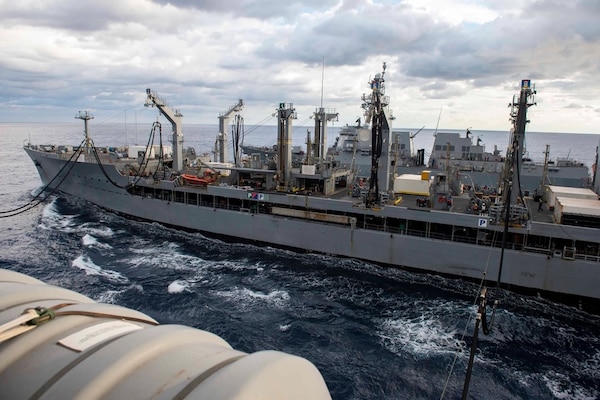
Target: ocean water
373,332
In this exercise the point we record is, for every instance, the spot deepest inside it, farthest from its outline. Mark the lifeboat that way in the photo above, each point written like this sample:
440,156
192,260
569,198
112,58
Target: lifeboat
195,180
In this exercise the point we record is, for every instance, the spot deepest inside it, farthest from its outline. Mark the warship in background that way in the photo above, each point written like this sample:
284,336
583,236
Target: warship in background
420,223
352,149
464,161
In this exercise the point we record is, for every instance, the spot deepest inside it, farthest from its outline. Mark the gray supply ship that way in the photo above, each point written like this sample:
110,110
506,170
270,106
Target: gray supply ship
398,221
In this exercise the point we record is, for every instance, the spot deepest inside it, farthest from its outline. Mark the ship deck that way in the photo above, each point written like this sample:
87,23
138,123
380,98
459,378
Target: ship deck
462,204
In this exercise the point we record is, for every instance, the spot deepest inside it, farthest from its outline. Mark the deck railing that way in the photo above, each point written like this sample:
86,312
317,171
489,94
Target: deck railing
572,253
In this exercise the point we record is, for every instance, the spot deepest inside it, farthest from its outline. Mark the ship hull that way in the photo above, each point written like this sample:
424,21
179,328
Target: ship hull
537,271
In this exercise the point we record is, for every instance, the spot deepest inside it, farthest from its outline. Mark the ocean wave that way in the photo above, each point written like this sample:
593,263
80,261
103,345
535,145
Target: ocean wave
109,296
102,231
246,297
239,265
37,190
179,286
562,387
163,256
52,219
421,336
86,264
90,241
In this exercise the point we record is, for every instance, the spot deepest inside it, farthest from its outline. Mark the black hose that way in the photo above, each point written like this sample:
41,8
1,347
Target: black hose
70,164
34,202
143,165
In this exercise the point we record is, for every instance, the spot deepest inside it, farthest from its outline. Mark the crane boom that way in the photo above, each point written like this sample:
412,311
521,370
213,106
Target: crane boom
222,135
174,117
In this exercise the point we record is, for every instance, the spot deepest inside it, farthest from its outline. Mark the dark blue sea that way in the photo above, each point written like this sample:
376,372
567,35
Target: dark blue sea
373,332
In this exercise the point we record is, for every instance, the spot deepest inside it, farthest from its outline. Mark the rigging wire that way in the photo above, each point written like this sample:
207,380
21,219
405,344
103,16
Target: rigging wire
237,133
34,202
263,122
70,164
140,172
161,155
260,124
257,126
469,319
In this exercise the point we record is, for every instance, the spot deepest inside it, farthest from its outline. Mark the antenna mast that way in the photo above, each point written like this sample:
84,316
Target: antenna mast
375,106
86,116
322,116
322,79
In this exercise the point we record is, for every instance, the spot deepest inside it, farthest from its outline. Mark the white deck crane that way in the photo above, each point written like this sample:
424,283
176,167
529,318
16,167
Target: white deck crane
174,117
221,142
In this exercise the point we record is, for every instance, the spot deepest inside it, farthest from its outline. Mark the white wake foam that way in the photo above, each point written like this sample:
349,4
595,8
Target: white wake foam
86,264
422,335
102,231
179,286
90,241
53,220
245,296
561,387
163,256
109,297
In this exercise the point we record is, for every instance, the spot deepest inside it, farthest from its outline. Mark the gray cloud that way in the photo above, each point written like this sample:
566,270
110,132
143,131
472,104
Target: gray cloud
78,16
260,9
205,55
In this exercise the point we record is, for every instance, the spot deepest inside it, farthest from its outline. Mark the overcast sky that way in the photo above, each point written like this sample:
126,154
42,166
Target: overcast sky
463,57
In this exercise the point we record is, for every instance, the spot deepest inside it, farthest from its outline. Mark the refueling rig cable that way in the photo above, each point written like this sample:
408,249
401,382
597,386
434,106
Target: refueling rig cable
36,201
143,165
68,166
479,319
